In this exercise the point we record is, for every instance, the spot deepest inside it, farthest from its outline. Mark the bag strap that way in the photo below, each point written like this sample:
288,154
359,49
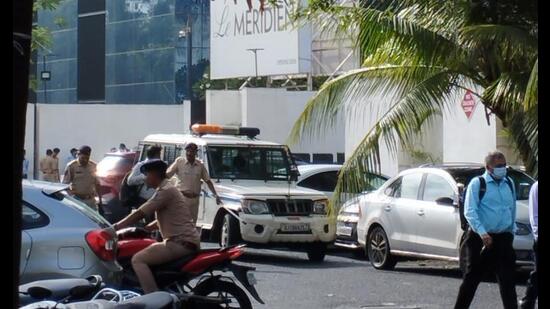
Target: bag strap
482,187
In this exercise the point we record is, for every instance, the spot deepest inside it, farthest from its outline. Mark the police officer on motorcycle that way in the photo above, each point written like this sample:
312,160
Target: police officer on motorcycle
173,218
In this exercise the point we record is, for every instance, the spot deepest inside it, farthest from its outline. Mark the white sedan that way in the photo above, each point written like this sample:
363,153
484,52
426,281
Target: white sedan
415,214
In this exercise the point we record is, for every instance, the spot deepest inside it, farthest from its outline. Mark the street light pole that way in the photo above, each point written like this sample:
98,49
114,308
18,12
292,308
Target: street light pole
186,32
255,51
44,82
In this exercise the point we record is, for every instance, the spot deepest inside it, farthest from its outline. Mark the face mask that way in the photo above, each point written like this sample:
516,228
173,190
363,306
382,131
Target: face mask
499,172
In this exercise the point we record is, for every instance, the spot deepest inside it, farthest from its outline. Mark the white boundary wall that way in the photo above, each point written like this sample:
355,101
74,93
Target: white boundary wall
274,111
100,126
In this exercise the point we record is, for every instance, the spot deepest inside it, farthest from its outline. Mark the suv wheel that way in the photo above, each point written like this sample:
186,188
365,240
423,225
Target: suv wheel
378,250
230,233
317,252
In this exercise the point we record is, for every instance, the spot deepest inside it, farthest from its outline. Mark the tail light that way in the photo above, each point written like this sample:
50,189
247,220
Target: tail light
102,244
235,253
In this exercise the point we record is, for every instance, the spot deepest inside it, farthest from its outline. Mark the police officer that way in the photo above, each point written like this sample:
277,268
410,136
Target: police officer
46,166
55,164
81,175
173,219
189,172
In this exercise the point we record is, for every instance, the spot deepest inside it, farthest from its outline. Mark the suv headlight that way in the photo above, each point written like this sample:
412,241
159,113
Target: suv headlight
522,229
255,207
320,207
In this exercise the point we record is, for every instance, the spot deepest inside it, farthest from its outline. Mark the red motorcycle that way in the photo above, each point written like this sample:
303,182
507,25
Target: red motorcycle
207,266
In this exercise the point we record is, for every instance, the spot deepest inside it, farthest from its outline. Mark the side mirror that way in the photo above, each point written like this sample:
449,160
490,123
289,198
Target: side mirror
523,193
447,201
294,174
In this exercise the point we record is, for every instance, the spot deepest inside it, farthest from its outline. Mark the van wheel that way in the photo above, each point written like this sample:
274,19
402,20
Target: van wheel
316,253
378,250
230,233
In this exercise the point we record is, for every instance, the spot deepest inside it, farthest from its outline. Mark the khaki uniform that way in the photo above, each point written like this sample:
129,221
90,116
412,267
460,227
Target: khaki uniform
47,168
55,169
189,181
82,180
176,227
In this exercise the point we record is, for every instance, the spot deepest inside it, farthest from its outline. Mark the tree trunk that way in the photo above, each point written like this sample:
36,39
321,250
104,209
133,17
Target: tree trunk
22,26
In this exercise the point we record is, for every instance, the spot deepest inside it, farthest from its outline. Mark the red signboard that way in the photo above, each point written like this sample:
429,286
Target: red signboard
468,104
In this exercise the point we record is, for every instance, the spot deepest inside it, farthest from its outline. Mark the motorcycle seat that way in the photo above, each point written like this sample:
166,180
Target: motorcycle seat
174,265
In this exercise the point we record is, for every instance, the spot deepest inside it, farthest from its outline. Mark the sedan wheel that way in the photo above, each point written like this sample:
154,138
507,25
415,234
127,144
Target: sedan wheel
378,249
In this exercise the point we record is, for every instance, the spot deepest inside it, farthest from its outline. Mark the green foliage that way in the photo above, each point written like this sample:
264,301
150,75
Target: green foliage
419,55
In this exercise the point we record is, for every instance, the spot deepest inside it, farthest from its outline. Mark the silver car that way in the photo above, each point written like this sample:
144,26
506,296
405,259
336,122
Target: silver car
62,237
415,214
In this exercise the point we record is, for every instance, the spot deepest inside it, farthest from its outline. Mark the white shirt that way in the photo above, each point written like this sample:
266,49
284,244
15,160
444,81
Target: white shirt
137,178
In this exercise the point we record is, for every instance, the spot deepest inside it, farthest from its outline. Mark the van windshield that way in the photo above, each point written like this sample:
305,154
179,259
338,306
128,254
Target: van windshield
255,163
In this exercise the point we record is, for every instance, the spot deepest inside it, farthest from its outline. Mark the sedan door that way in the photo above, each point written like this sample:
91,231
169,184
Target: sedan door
438,227
401,212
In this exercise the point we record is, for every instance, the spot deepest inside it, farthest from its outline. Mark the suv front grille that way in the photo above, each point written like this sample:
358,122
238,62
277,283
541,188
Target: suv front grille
290,207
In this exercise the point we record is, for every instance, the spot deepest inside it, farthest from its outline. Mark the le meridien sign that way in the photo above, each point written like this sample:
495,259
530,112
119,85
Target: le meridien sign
236,30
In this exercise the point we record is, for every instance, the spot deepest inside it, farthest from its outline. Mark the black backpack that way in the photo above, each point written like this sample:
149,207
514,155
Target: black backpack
482,189
129,195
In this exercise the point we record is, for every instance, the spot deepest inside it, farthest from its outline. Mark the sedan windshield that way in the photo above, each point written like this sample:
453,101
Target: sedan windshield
256,163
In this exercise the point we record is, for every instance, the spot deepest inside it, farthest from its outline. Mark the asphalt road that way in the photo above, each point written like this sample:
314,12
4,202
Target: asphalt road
288,280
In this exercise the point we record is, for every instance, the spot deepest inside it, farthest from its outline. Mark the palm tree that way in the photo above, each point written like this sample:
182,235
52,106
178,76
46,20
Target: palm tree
418,54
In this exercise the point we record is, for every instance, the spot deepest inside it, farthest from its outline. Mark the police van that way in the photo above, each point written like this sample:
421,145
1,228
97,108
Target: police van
256,181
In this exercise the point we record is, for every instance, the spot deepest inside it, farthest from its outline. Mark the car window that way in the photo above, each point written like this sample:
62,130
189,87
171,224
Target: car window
437,187
33,218
374,181
325,181
409,186
394,188
70,201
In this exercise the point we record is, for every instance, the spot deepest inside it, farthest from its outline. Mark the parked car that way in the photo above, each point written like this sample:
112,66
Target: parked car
323,177
62,238
111,171
415,215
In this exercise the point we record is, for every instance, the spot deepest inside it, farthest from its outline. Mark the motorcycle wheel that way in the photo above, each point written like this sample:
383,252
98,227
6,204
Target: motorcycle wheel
227,290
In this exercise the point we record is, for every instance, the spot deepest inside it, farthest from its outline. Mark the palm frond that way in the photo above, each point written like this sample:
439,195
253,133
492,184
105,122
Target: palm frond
400,123
351,89
532,91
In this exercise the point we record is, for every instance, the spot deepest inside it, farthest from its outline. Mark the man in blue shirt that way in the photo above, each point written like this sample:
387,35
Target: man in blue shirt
488,242
531,292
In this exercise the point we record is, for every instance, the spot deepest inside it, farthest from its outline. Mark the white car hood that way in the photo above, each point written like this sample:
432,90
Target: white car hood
245,189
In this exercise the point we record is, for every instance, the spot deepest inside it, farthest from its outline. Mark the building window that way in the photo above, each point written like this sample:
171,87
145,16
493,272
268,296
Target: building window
323,158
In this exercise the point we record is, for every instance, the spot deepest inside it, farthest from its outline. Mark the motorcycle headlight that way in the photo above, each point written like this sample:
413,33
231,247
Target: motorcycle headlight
255,207
522,229
320,207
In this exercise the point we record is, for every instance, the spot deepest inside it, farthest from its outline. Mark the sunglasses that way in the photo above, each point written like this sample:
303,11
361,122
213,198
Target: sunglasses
500,165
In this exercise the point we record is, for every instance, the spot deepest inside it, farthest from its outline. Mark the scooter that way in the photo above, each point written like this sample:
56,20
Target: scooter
156,300
207,266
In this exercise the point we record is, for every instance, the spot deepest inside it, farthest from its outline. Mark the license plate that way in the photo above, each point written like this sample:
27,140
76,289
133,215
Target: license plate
342,229
303,227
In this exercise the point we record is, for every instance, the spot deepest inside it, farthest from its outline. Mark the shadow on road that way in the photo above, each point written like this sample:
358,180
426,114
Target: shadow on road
521,275
281,259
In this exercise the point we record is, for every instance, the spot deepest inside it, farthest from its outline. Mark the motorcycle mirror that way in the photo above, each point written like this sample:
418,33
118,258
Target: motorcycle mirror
39,292
80,291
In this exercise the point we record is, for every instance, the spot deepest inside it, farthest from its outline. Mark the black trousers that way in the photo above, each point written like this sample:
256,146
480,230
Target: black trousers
500,259
532,291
